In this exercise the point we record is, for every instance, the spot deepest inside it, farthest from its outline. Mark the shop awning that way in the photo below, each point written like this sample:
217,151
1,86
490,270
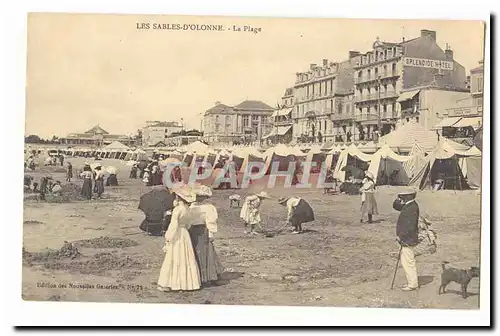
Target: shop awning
475,122
447,122
282,112
282,130
407,95
272,133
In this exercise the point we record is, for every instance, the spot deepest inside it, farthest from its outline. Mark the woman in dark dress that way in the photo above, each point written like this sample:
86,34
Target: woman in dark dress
203,218
87,176
299,212
69,172
99,181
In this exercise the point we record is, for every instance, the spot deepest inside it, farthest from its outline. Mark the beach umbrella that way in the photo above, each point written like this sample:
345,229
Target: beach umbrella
112,170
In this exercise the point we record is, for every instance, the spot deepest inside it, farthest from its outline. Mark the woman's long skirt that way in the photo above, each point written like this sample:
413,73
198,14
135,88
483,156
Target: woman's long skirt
179,270
303,213
369,206
87,189
99,187
206,257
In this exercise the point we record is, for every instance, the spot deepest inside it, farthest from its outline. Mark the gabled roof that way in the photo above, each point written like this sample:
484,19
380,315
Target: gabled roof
253,105
96,130
219,108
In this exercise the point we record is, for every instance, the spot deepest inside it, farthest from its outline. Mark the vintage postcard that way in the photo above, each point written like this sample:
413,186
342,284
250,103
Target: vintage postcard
253,161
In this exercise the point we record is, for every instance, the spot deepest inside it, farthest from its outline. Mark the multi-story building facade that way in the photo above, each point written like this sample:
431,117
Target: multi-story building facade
384,72
461,118
95,137
243,123
281,130
156,132
323,101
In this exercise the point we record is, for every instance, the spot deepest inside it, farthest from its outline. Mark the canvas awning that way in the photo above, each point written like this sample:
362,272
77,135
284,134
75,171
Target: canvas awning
407,95
466,122
272,133
282,112
447,122
282,130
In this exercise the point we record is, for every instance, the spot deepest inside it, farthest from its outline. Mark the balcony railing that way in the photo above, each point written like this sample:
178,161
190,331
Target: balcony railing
374,77
375,96
340,117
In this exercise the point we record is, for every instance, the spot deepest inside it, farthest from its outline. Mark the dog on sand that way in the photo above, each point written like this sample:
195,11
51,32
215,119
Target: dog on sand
461,276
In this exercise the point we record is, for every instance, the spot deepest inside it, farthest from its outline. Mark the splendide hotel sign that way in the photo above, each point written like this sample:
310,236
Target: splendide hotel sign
427,63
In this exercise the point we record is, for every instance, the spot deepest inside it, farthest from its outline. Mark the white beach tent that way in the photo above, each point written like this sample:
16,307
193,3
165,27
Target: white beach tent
387,167
404,138
350,151
332,156
445,159
116,146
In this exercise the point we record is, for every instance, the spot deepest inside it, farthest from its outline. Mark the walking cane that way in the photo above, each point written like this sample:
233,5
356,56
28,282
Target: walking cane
397,264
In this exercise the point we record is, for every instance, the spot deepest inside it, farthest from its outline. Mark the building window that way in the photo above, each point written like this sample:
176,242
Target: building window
480,84
384,108
360,74
394,108
246,121
347,108
393,68
376,72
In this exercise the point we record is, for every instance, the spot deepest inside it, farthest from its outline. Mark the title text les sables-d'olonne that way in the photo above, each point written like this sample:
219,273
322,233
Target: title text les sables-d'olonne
196,27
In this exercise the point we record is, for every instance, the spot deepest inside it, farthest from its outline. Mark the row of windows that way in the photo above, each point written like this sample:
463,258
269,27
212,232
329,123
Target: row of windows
323,87
380,55
383,70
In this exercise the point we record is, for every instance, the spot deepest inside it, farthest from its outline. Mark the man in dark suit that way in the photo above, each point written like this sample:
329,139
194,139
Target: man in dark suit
407,235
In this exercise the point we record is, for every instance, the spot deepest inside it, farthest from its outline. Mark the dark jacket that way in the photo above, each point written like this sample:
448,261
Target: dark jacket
407,225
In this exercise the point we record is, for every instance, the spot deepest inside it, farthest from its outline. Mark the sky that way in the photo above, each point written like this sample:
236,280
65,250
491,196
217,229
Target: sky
88,69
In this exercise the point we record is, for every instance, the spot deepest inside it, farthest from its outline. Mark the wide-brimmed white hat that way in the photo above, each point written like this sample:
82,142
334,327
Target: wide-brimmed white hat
186,193
202,190
263,194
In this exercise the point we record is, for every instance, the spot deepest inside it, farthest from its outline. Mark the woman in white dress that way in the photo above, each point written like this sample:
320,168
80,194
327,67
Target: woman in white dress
368,201
180,269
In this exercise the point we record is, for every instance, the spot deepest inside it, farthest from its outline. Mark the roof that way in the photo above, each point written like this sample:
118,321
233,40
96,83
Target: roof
96,130
253,105
116,145
166,124
218,109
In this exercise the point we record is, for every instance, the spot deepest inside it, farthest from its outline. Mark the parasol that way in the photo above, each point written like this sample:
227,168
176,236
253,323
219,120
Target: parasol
112,170
154,204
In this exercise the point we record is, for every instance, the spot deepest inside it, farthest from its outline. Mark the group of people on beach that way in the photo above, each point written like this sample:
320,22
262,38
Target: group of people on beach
191,261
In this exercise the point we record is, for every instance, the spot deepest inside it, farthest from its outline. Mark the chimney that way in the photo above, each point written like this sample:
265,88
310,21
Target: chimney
217,103
438,79
430,33
353,53
449,54
325,62
312,66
